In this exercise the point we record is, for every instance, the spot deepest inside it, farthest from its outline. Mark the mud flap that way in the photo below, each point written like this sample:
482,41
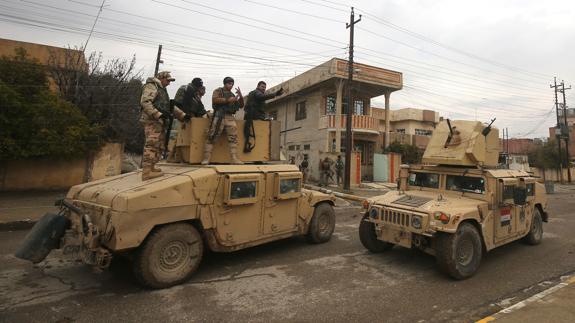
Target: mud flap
44,236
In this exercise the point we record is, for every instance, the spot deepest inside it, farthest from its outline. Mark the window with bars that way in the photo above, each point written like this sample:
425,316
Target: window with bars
330,104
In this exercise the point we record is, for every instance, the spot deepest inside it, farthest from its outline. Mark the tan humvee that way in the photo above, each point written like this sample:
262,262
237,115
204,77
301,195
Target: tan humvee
457,205
165,224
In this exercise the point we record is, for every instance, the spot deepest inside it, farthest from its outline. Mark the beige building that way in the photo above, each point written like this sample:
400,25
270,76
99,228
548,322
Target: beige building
313,107
409,125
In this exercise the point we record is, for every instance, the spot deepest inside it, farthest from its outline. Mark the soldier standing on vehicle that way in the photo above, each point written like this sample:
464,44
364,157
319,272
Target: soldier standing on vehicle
303,167
189,98
225,105
338,169
155,105
254,110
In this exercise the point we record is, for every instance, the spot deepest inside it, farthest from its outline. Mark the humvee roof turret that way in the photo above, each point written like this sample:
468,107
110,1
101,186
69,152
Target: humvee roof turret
457,205
165,224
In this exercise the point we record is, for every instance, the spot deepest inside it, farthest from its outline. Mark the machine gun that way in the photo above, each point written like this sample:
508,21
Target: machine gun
487,129
169,129
450,136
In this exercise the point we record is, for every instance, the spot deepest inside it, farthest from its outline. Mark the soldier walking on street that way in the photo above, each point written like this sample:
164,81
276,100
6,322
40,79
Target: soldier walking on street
225,105
303,167
339,169
254,110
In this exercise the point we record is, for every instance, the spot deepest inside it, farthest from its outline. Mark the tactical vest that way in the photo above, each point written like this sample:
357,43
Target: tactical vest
162,100
226,107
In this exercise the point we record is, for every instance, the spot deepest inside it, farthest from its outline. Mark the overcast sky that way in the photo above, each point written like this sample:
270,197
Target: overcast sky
465,59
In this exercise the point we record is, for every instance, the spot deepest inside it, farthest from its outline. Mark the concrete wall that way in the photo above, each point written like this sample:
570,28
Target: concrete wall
552,175
46,174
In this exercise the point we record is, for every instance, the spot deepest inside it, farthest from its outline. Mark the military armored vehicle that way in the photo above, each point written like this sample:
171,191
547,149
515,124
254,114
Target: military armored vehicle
165,225
457,205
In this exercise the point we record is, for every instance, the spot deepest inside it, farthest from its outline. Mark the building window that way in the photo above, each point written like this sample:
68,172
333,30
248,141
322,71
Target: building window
400,130
300,111
273,115
330,104
423,132
358,108
292,147
306,147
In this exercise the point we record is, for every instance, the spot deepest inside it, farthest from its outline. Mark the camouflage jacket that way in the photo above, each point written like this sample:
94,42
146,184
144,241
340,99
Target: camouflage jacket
256,103
189,102
219,101
155,100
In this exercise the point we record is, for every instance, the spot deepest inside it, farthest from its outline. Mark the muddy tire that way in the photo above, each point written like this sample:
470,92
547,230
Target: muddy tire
535,234
322,224
368,237
459,254
169,256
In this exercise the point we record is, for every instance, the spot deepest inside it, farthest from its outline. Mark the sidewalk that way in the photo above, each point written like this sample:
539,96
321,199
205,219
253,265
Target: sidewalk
556,304
20,210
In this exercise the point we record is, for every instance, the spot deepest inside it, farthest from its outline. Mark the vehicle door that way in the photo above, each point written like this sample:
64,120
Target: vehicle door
239,217
506,215
283,192
526,210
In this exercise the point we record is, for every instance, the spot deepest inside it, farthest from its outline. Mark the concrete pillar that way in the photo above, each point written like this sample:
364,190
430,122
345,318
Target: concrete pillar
338,110
387,94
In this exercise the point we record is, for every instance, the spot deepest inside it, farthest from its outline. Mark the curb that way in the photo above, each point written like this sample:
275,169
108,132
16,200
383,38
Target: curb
570,280
16,225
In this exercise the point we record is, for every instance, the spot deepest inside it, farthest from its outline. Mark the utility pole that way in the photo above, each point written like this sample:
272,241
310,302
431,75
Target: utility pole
158,60
567,137
559,129
349,114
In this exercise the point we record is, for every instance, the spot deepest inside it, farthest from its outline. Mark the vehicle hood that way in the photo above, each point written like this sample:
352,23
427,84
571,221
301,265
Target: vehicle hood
428,202
180,185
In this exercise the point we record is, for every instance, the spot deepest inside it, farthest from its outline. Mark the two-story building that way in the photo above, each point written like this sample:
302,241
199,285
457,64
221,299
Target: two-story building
408,125
314,106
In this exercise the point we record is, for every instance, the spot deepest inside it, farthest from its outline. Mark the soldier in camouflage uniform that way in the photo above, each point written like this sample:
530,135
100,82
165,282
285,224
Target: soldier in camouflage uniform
225,105
189,100
155,104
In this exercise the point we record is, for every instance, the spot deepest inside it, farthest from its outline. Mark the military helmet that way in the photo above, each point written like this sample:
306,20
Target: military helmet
228,79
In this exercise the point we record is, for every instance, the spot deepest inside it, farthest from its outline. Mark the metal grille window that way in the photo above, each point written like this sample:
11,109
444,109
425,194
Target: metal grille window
423,132
358,107
300,111
330,104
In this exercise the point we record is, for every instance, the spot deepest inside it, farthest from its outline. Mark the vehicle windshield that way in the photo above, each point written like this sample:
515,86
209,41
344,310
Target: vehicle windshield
424,180
465,184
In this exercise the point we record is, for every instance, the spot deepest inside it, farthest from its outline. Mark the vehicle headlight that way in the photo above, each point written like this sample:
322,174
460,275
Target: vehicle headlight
373,213
416,221
441,216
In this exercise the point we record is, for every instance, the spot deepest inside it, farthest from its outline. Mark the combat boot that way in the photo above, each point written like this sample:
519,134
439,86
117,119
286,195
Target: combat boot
150,173
207,154
234,155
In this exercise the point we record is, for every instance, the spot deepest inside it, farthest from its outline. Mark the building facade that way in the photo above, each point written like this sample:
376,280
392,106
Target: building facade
313,112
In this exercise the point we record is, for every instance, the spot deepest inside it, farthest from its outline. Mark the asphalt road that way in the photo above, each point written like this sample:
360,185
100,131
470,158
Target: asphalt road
291,280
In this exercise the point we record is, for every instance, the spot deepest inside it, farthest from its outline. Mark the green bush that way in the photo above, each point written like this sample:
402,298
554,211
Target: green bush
34,122
410,154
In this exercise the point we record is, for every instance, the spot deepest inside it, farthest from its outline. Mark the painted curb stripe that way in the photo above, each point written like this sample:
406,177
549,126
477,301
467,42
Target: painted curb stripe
536,297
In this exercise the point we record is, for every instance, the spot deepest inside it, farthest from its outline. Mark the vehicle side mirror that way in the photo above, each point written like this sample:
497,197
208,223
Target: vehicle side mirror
519,196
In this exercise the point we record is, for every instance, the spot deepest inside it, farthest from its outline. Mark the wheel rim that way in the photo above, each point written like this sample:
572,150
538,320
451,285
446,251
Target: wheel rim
174,255
537,230
465,252
324,223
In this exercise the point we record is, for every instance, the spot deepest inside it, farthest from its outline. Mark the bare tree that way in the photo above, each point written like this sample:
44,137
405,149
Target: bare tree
106,92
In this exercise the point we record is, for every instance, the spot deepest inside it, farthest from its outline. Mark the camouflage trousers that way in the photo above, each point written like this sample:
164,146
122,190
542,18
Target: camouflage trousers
227,123
155,133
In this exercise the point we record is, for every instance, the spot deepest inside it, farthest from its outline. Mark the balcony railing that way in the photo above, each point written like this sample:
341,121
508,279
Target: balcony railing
358,122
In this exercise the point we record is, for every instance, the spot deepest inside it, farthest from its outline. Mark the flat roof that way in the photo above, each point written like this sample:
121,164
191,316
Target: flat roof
374,81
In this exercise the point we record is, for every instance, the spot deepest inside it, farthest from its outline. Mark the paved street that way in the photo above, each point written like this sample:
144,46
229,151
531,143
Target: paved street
291,280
